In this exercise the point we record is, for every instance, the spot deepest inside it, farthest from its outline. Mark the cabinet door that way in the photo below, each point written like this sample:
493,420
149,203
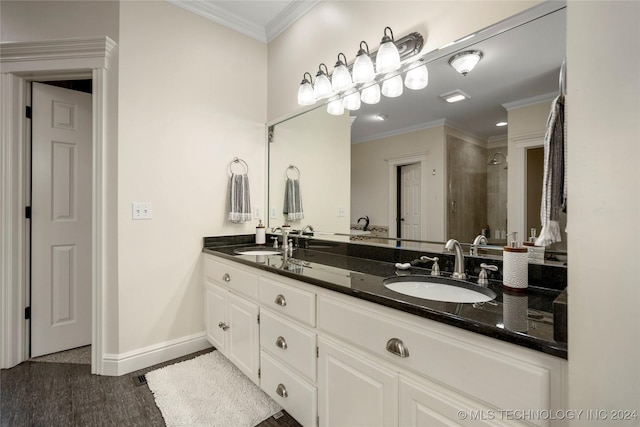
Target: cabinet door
243,336
215,315
354,390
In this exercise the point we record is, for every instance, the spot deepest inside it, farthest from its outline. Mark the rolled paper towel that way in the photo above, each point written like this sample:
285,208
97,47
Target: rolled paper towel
515,308
515,273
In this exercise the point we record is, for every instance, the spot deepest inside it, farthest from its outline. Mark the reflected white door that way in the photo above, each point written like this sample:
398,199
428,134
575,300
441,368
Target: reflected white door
61,220
410,202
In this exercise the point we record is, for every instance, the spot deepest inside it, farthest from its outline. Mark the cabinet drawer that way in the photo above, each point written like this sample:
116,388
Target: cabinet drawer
238,280
288,300
293,393
289,343
495,378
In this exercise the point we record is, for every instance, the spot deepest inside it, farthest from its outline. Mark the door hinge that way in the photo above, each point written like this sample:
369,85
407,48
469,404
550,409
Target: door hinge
27,212
28,112
317,351
27,313
318,420
258,318
259,373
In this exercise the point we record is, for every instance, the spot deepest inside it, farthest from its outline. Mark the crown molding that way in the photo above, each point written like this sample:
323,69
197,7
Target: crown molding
545,97
209,10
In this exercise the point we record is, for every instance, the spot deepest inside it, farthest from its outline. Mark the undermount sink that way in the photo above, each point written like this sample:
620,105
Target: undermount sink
258,250
439,289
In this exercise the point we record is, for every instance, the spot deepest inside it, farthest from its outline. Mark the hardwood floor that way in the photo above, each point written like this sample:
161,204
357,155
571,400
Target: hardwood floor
65,394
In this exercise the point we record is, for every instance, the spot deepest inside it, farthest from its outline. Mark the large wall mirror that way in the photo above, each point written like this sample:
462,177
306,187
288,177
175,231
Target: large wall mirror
420,168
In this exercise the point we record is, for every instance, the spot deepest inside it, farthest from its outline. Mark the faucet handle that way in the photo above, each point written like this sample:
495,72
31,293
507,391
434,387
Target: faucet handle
435,268
275,241
483,278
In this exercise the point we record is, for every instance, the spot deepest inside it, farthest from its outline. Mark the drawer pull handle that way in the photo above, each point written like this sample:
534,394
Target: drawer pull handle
280,300
397,347
223,326
226,277
280,342
282,391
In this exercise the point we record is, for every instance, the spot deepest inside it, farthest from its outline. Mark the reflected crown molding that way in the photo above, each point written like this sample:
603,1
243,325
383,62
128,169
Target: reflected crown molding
545,97
395,132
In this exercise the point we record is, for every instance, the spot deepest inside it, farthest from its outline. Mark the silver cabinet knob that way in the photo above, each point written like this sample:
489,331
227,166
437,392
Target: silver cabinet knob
281,391
397,347
280,300
223,326
281,343
226,277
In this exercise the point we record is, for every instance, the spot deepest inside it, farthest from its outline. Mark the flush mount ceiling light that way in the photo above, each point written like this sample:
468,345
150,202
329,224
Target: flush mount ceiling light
454,96
464,62
500,124
381,117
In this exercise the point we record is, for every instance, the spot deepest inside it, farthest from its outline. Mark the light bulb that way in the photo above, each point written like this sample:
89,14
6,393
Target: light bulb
417,78
371,94
392,87
388,57
341,79
322,88
335,107
363,71
305,92
352,101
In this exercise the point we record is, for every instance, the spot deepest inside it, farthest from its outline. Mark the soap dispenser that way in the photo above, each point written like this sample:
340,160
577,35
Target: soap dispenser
260,233
515,260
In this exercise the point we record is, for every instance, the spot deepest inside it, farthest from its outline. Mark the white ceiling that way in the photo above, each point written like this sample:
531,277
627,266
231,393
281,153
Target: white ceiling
261,20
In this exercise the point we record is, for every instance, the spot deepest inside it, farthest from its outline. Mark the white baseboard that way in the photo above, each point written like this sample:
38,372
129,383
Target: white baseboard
123,363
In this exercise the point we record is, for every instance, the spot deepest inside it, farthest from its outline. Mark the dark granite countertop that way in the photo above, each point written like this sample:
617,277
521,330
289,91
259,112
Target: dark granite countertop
522,318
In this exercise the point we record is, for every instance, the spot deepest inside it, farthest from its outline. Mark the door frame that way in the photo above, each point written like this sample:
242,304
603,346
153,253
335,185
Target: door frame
21,63
393,163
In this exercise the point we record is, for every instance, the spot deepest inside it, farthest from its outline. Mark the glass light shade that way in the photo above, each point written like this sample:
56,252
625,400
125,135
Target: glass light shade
465,61
322,88
387,58
363,71
392,87
305,94
340,79
417,78
335,107
371,94
352,101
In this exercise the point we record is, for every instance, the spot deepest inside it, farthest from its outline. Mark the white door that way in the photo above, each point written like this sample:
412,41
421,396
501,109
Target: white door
61,220
244,336
216,300
410,202
354,391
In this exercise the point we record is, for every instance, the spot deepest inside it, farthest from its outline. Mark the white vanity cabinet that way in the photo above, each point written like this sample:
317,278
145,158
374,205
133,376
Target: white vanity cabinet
231,320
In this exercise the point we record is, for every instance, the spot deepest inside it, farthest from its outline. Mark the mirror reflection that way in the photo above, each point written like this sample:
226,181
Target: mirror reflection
421,168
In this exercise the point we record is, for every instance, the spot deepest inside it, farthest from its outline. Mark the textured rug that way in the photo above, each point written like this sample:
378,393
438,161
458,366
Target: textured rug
80,355
208,391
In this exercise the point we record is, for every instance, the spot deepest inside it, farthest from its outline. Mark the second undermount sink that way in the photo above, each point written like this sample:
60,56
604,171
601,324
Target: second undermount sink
439,289
257,250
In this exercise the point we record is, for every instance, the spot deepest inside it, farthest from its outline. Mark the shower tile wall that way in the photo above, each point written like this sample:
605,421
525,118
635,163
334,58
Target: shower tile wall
497,193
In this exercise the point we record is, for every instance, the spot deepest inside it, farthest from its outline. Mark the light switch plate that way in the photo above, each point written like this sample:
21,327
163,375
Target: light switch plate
141,210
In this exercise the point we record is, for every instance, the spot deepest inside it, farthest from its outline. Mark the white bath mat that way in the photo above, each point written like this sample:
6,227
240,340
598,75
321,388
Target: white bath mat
208,391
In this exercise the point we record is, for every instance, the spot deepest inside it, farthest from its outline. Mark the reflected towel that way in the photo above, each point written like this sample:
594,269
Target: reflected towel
554,185
292,209
240,199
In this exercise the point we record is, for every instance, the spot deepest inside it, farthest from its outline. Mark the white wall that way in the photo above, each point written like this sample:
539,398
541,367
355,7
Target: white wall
603,81
192,97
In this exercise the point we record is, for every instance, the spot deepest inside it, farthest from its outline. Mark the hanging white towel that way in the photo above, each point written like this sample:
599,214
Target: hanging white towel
240,198
292,209
554,185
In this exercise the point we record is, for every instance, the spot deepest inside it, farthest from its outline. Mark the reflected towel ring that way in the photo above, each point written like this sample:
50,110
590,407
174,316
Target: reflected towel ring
292,168
240,162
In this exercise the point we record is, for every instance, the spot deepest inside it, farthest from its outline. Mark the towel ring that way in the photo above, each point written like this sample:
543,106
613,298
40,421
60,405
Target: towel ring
292,168
241,163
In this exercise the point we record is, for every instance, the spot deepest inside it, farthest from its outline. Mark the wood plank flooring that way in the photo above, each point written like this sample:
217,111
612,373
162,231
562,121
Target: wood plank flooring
64,394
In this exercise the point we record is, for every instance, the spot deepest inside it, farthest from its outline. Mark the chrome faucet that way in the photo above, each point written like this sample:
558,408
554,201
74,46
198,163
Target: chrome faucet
306,228
479,240
366,222
285,239
458,267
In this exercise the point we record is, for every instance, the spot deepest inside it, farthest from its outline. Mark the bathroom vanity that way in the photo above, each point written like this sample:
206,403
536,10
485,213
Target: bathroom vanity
325,339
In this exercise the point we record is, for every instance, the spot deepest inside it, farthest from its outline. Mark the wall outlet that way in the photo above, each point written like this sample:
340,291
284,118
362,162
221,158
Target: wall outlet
257,215
273,213
141,210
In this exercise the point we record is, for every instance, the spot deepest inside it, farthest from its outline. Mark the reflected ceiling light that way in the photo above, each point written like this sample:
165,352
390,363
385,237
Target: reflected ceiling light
371,94
464,62
392,86
500,124
335,107
417,77
363,71
352,100
388,57
381,117
340,79
454,96
305,91
322,88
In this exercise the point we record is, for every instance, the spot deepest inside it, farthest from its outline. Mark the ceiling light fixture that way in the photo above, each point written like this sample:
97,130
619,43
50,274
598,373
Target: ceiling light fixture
500,124
464,62
454,96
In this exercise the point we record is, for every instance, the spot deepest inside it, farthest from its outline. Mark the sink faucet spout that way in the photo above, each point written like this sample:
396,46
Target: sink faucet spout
458,267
